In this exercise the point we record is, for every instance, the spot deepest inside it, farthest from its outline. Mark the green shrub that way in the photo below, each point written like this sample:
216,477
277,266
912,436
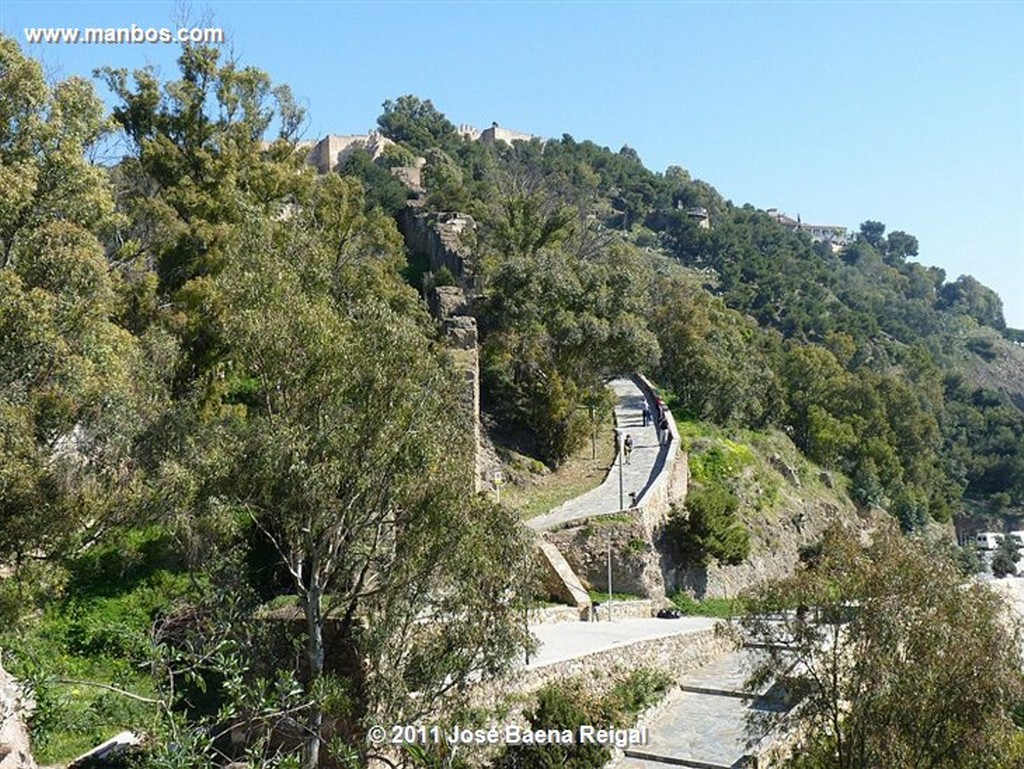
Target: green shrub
709,528
565,705
1005,561
637,545
721,461
709,607
630,697
562,705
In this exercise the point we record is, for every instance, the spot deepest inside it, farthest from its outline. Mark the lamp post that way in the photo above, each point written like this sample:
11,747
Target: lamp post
609,577
526,626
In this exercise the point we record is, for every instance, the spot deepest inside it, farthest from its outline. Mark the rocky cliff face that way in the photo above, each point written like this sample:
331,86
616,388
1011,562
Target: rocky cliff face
635,563
15,751
786,503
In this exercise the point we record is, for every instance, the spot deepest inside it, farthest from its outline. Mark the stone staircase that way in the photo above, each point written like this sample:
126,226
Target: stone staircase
710,721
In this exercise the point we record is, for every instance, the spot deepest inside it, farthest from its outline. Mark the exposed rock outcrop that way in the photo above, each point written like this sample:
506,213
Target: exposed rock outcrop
635,564
15,750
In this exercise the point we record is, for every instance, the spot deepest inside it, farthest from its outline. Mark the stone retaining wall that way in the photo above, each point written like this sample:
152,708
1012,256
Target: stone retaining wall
553,615
673,655
670,487
636,565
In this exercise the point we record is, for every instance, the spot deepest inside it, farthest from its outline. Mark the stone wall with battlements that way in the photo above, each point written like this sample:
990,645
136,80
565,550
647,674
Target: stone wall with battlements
498,134
331,151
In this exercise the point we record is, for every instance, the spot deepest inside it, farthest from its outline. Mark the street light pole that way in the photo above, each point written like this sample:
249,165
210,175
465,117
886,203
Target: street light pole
609,577
497,479
593,434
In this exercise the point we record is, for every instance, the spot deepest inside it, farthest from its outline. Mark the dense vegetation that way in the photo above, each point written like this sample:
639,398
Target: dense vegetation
590,264
227,357
893,661
227,443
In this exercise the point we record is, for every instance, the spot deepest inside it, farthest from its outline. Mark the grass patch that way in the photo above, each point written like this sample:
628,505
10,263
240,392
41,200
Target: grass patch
601,597
722,608
534,493
610,519
98,632
725,459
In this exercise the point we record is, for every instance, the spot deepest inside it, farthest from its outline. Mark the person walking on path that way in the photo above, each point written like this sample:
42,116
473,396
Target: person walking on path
627,447
664,435
645,412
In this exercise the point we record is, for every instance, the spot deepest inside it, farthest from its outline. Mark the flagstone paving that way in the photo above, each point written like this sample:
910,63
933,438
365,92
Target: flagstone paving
647,457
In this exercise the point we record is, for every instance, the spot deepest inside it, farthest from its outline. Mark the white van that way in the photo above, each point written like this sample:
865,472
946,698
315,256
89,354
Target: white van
988,540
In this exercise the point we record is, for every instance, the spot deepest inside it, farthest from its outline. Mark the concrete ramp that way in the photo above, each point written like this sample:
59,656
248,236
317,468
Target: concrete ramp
558,577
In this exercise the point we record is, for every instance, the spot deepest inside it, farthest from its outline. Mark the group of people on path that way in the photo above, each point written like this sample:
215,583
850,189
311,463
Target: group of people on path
660,419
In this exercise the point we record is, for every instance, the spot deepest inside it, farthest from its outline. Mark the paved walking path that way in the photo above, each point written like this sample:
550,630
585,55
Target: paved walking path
562,641
637,474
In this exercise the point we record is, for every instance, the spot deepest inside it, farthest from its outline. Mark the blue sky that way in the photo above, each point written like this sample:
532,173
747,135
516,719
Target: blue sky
909,113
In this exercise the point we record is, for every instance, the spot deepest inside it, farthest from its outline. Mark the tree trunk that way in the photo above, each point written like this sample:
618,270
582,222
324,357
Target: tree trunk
315,654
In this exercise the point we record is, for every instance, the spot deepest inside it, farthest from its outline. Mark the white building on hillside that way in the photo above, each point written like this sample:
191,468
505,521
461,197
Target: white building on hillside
833,234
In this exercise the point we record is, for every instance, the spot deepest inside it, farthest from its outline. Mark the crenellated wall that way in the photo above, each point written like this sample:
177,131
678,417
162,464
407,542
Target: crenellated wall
331,151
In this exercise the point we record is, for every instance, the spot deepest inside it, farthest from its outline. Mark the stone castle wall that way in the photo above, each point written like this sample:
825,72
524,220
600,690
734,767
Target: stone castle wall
498,134
331,151
441,238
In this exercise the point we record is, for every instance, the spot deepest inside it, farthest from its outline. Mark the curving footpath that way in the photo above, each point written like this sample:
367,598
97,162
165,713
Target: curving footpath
705,722
647,459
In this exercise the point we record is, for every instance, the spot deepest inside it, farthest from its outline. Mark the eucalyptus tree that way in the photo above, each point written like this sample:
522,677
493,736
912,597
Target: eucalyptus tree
74,387
333,429
313,401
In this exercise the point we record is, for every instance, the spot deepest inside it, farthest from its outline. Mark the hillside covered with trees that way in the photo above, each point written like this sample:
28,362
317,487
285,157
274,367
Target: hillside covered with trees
228,442
873,363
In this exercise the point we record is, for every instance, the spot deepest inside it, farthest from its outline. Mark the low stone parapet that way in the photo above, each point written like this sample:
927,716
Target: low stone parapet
551,615
674,655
